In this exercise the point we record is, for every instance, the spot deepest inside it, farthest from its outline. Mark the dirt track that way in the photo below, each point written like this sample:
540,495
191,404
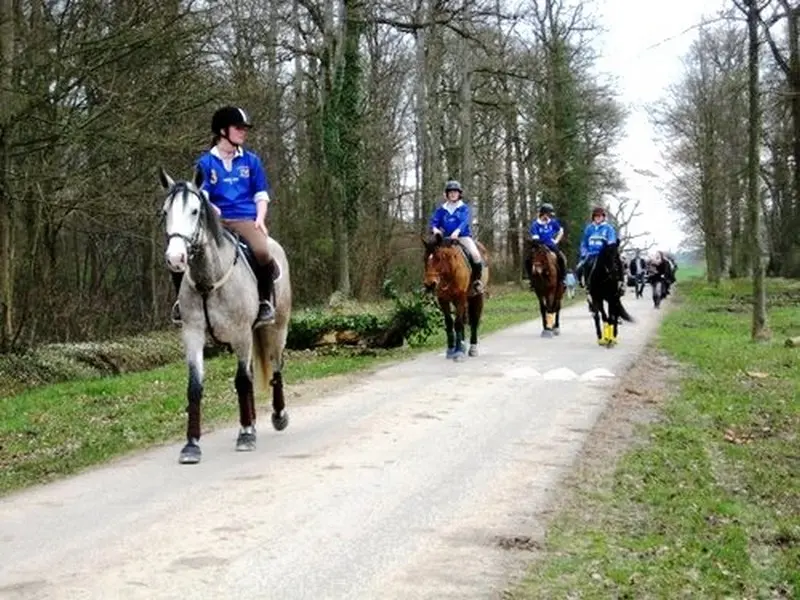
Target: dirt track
410,483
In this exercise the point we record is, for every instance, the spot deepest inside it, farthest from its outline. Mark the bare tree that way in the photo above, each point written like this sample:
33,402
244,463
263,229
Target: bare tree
760,330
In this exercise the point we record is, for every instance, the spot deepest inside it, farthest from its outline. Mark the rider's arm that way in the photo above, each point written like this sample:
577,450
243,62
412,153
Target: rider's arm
559,234
260,188
611,234
259,181
463,223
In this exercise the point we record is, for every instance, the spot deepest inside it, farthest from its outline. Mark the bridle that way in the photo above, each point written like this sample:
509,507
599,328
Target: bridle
193,245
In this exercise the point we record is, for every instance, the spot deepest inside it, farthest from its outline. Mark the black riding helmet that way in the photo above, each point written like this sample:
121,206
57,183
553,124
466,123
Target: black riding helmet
229,116
453,186
546,209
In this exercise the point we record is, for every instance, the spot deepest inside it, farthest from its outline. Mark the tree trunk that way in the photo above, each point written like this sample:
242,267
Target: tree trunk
422,158
794,89
513,232
6,202
759,330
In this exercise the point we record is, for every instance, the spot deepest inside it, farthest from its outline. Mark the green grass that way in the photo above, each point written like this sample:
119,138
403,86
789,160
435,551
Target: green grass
55,430
708,505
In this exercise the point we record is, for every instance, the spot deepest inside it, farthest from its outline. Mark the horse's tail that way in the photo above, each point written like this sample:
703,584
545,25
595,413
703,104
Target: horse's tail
262,363
624,313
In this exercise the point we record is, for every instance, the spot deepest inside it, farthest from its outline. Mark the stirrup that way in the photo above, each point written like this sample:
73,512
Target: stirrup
477,286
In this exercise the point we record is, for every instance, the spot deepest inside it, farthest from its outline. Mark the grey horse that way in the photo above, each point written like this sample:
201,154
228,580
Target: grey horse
219,296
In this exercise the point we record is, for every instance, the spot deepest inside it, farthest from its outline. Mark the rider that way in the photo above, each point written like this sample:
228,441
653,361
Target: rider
547,229
236,183
597,234
452,218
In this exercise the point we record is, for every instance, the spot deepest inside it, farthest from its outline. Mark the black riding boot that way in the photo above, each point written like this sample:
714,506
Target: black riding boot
175,315
266,284
562,266
477,273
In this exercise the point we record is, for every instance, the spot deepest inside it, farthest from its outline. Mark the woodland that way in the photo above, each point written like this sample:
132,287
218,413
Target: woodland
362,110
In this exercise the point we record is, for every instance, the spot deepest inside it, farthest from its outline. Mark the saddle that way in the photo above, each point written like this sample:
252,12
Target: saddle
246,251
448,243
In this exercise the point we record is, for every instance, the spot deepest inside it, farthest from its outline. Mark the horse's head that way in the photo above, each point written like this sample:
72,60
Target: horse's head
439,256
542,258
189,219
608,261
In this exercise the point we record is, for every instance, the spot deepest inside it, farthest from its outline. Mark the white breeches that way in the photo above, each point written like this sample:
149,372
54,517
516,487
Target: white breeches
471,247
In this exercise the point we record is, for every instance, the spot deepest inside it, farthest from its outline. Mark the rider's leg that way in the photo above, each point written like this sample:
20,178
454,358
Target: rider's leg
177,279
267,267
477,262
562,265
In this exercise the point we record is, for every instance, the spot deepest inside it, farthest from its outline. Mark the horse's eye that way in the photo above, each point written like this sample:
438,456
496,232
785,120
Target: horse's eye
195,212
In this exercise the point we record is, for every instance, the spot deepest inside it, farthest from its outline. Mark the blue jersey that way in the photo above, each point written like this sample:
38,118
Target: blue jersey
595,236
545,232
234,192
449,217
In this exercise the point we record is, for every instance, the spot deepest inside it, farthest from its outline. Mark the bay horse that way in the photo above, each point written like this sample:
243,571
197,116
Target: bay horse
448,274
549,287
602,284
219,296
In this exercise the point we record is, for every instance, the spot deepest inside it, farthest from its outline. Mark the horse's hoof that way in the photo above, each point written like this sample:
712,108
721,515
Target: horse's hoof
459,356
473,350
280,421
246,442
546,333
556,331
190,454
451,352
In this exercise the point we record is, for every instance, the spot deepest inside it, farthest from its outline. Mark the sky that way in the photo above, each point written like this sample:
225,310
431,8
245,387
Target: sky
642,47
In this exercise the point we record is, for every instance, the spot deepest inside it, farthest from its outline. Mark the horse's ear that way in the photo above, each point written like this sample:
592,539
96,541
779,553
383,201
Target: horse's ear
198,176
166,181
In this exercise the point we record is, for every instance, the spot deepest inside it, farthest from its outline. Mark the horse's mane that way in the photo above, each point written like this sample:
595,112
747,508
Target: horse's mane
208,216
437,242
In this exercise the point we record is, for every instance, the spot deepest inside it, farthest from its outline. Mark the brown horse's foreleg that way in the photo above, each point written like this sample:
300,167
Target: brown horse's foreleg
246,441
475,308
543,313
557,309
461,319
448,327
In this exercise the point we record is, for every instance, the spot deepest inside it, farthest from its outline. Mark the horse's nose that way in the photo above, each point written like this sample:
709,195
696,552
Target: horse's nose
176,261
430,286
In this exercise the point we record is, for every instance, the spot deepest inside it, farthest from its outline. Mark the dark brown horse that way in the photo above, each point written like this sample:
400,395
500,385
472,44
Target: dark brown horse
549,287
448,274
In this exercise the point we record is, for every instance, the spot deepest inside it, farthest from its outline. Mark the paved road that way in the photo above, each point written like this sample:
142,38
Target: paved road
398,486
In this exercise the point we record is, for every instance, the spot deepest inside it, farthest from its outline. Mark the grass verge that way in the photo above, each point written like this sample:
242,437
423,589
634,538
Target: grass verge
708,504
59,429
